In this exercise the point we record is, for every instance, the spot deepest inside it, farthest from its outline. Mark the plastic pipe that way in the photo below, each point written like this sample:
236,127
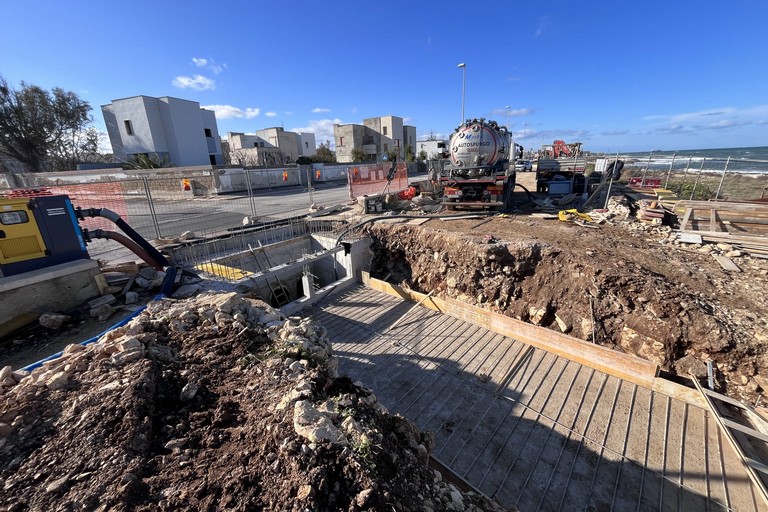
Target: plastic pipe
128,230
127,242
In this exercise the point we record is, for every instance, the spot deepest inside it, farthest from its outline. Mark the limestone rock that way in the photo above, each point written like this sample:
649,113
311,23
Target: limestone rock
313,425
53,320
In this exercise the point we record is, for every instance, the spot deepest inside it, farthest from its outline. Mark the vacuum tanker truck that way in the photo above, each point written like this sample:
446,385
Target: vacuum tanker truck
479,174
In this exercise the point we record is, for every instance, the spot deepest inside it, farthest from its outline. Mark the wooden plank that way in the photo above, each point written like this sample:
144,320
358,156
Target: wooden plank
712,220
624,366
756,480
679,392
726,263
685,219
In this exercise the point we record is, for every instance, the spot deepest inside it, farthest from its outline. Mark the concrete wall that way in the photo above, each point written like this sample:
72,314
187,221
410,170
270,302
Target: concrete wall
347,137
59,288
409,137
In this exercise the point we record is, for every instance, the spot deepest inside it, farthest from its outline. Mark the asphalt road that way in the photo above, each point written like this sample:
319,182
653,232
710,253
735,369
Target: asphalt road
208,215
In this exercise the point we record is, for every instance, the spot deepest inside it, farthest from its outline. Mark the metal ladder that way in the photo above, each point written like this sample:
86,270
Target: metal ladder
278,292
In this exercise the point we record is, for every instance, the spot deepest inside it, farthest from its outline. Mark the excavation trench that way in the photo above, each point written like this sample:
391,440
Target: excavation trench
592,294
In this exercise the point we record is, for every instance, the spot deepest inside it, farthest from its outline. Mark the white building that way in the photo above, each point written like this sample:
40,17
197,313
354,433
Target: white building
270,146
375,137
165,128
434,149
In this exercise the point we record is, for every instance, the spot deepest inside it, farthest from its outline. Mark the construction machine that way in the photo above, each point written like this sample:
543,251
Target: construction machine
559,162
479,174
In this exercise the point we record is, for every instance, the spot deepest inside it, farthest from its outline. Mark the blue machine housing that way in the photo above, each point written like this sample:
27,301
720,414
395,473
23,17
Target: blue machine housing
60,231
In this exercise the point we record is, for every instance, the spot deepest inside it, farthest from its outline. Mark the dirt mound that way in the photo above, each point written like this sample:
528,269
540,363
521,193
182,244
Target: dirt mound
617,286
204,404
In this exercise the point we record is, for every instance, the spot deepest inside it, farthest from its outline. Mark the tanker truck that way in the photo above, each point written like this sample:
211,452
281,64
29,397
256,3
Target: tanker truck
479,174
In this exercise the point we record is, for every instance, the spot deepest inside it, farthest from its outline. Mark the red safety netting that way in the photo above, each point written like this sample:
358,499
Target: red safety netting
371,179
96,195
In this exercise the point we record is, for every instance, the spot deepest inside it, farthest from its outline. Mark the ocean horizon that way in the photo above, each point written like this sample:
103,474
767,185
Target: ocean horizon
742,160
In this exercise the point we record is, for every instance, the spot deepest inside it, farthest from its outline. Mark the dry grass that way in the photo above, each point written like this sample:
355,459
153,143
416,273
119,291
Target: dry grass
735,187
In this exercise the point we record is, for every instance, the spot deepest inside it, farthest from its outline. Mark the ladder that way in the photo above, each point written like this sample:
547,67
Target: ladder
732,429
279,295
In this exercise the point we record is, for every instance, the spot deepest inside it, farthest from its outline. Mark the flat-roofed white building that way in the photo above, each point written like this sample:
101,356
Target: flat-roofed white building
270,146
165,128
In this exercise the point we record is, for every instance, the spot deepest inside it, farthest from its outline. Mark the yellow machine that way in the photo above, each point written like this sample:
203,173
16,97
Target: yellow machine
38,232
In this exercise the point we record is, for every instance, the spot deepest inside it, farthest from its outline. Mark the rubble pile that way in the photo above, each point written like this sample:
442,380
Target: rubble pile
212,402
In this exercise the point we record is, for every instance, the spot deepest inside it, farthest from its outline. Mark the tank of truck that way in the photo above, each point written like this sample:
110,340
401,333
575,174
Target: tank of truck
479,144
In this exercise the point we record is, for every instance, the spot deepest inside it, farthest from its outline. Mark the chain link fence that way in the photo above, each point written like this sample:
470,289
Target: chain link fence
222,210
702,178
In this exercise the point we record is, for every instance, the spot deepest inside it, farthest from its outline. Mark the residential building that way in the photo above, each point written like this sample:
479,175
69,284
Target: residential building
434,149
270,146
376,137
164,128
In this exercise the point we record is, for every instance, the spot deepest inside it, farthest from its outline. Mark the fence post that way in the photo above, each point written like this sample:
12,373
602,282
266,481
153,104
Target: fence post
647,165
670,169
250,192
349,184
151,205
310,188
725,169
698,177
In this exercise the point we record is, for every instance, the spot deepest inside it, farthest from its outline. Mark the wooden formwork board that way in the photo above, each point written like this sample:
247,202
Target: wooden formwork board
618,364
627,367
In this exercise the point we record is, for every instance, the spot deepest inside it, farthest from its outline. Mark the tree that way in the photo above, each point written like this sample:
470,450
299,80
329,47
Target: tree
393,155
41,130
431,135
358,155
409,156
148,161
325,154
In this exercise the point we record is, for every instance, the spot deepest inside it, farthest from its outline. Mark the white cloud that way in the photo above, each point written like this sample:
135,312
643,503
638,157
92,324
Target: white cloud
513,112
197,82
209,64
322,128
319,110
709,119
270,114
288,113
229,112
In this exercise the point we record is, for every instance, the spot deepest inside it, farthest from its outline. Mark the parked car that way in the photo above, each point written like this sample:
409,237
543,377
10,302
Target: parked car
523,165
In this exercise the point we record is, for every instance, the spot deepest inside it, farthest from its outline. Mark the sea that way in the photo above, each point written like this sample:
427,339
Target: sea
739,160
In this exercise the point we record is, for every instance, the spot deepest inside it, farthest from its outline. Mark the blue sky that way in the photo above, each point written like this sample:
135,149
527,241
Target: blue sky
618,76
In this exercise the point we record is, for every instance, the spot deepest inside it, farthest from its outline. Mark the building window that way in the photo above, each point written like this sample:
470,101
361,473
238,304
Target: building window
386,147
306,145
341,141
397,143
385,130
208,132
128,127
255,144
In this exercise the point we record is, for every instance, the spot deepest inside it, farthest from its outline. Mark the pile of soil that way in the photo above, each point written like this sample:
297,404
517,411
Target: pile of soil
627,285
204,404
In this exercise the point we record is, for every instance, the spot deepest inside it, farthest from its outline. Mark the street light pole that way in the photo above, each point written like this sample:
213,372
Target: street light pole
463,83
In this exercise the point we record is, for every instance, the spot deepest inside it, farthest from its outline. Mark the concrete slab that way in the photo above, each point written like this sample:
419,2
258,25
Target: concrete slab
25,297
529,427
